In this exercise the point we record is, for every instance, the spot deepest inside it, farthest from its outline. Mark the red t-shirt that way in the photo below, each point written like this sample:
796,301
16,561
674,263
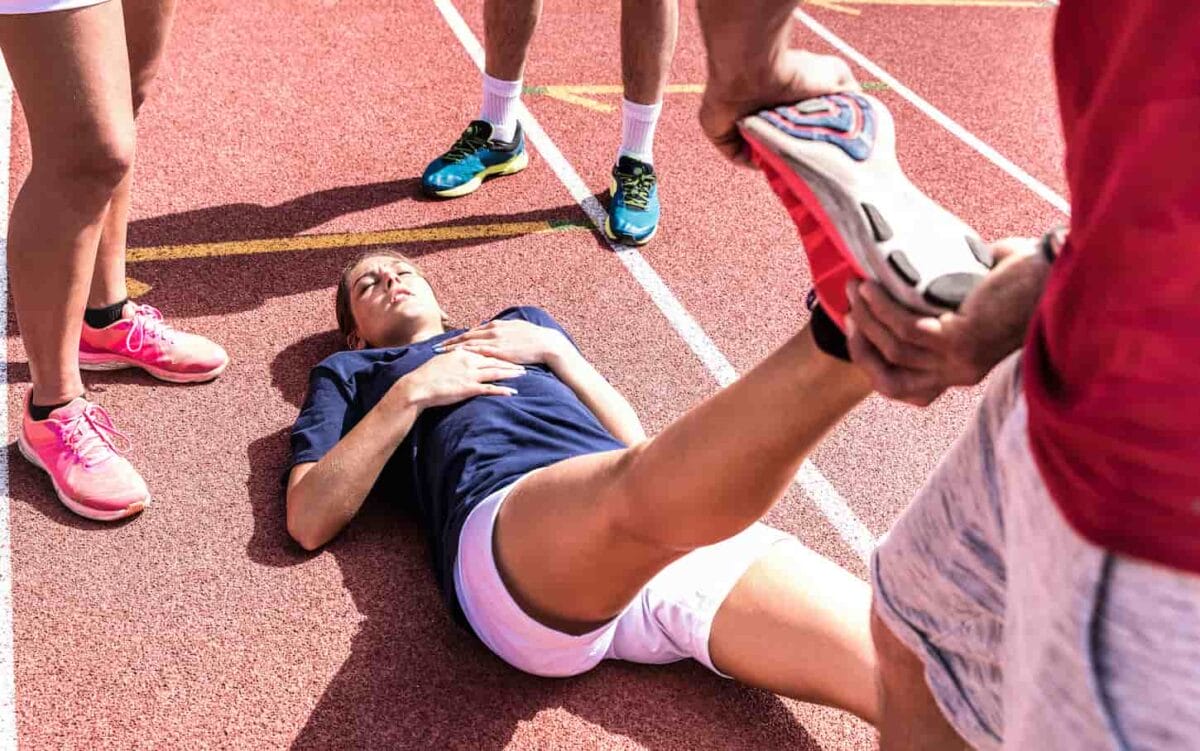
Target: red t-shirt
1112,365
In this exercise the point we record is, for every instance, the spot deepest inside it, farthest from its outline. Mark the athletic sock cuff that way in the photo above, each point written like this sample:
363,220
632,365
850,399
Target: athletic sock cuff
500,87
829,338
644,112
98,318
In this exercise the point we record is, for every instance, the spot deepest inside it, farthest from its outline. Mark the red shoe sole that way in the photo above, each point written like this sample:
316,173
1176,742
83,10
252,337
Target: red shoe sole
830,260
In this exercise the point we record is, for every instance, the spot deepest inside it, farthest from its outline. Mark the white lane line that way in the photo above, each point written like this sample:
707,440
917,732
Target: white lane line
8,688
995,157
813,484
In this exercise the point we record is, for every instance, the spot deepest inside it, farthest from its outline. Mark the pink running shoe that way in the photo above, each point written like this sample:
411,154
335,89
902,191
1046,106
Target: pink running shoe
81,451
146,341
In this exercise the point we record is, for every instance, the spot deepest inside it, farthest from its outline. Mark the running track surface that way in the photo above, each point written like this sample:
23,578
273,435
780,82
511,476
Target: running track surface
199,625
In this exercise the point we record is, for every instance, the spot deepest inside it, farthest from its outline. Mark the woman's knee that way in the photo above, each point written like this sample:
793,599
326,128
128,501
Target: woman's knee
91,165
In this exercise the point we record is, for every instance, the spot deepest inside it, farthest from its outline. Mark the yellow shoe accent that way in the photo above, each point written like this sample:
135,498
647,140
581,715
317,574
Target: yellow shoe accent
623,239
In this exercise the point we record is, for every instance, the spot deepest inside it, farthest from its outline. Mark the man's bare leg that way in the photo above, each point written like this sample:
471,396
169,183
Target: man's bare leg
508,29
577,540
909,716
648,32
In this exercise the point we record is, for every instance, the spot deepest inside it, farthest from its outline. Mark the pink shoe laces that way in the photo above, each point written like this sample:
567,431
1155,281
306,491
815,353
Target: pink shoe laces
148,324
92,437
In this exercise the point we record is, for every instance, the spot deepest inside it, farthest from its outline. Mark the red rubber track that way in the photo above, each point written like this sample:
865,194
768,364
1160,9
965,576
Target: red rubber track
198,624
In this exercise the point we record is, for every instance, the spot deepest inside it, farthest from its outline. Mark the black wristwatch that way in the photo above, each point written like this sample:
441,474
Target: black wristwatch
1052,243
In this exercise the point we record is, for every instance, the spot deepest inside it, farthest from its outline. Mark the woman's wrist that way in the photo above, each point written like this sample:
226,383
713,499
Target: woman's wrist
558,350
405,394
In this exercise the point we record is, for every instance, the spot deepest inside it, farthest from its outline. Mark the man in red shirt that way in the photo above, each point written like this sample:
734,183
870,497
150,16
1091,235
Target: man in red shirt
1042,590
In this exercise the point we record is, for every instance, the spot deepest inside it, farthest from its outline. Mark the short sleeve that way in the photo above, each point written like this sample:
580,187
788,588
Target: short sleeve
327,415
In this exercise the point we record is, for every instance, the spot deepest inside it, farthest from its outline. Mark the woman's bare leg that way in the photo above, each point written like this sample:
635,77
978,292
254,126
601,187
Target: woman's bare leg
576,541
147,24
71,73
798,625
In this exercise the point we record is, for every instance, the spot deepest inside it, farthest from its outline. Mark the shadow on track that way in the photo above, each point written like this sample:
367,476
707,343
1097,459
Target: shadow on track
413,680
192,287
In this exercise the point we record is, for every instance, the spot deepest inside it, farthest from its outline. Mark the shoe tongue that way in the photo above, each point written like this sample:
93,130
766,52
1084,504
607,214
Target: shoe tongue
633,166
71,409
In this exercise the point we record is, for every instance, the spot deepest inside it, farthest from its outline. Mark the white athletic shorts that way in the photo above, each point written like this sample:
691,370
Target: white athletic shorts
668,620
14,7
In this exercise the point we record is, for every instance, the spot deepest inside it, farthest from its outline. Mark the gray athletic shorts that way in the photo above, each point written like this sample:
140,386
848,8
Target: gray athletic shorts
1032,637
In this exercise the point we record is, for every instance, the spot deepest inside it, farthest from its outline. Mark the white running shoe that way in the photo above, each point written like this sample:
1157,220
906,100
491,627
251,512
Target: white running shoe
832,161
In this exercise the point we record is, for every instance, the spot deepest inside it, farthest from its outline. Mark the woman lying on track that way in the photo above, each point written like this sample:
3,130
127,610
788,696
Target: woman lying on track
563,535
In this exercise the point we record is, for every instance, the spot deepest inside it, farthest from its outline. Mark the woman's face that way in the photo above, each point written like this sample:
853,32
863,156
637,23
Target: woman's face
391,302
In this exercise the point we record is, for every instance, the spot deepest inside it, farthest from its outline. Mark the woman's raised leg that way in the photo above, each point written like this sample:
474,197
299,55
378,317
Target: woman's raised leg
575,542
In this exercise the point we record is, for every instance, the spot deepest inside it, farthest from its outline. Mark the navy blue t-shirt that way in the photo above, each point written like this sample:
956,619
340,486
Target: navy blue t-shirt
454,456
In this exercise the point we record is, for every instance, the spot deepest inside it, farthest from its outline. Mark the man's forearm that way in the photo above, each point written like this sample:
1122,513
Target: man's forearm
744,38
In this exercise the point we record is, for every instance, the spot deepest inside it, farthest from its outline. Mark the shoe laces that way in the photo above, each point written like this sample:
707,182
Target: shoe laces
635,187
92,437
148,324
471,140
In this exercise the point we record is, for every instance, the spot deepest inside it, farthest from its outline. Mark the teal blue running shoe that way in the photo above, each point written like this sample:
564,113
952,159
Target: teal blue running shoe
474,157
633,210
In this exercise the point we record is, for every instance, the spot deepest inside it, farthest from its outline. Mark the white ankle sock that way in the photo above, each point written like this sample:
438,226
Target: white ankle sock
637,130
500,106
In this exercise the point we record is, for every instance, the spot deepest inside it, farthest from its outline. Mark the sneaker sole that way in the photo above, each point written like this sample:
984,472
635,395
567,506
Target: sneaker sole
618,237
511,167
85,511
120,362
863,218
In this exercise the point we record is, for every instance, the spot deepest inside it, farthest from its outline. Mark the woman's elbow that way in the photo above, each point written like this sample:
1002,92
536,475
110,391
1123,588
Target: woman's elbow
302,532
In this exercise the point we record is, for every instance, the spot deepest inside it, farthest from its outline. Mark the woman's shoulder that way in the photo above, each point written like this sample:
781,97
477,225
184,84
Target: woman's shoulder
343,365
531,313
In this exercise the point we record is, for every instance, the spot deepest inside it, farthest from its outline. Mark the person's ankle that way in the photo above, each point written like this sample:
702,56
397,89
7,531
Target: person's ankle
106,314
40,407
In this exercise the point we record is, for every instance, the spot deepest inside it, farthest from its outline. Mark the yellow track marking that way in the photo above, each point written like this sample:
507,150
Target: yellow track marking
338,241
350,240
136,288
583,94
